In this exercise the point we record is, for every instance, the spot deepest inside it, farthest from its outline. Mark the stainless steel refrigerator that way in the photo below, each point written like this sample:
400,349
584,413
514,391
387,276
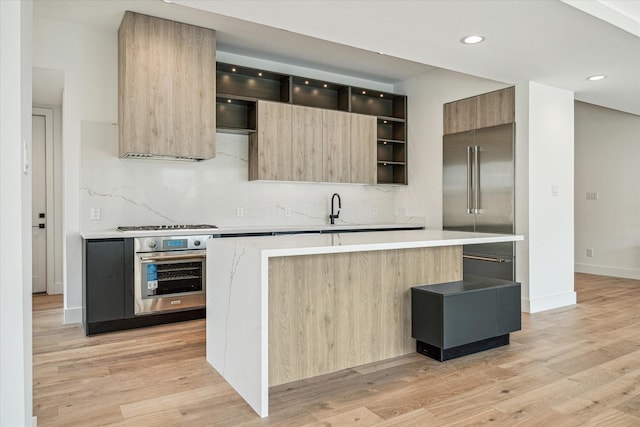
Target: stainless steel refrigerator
479,195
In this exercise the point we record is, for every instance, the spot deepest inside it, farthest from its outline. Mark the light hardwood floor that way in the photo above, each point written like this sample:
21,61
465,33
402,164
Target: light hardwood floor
578,365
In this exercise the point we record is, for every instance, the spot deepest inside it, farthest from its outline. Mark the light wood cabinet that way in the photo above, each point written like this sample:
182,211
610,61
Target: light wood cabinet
495,108
336,146
460,116
306,141
270,156
295,143
167,93
486,110
240,88
363,149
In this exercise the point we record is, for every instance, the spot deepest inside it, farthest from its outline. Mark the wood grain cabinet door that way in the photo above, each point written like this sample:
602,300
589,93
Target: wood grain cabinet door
270,146
363,149
460,116
167,90
495,108
336,146
306,144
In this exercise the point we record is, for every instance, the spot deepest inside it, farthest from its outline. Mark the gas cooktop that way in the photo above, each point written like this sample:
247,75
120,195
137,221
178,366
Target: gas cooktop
167,227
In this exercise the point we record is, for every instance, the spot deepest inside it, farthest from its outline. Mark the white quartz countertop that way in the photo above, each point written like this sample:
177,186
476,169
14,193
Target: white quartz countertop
307,244
259,229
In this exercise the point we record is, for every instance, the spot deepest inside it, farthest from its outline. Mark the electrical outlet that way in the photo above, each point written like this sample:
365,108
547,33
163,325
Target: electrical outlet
592,195
239,212
590,252
287,211
95,213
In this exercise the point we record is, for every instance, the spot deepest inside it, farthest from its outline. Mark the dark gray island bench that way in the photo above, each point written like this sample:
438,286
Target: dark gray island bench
453,319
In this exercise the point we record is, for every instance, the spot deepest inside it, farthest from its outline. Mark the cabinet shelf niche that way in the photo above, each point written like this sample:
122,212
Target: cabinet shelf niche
391,173
235,115
391,153
319,94
376,103
251,83
391,130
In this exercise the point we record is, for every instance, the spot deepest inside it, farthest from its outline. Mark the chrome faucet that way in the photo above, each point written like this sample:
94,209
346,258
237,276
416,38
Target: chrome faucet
333,216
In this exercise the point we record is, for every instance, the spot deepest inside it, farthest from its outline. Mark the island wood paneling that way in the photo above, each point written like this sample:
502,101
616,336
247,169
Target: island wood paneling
306,143
335,311
167,93
363,149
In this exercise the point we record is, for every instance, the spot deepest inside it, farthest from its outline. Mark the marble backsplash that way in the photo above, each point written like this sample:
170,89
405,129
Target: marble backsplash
138,191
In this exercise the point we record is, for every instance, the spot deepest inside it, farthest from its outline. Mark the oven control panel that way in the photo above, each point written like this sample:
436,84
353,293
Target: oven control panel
170,243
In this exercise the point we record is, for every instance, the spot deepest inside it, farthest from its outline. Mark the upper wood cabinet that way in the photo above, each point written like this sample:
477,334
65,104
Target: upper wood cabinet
270,150
496,108
306,143
167,93
295,143
240,88
490,109
460,116
363,149
336,147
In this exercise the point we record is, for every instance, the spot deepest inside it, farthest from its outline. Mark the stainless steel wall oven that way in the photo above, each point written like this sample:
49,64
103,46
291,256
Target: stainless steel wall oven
169,274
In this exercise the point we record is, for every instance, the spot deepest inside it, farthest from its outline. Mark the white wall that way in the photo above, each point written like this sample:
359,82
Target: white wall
550,198
15,214
421,200
606,155
132,191
88,58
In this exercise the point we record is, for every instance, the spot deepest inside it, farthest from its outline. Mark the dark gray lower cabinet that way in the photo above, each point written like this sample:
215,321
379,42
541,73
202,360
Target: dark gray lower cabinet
107,291
453,319
108,281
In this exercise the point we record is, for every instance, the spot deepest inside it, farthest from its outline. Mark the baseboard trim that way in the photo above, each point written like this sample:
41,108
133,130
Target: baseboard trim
73,315
548,303
601,270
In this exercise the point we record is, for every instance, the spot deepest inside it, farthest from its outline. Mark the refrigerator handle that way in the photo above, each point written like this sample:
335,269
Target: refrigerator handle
469,180
476,179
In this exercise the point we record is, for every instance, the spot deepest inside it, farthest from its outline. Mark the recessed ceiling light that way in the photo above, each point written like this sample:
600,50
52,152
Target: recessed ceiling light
596,77
473,39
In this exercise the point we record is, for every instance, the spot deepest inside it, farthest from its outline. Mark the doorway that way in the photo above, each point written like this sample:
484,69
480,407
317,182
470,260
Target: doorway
42,212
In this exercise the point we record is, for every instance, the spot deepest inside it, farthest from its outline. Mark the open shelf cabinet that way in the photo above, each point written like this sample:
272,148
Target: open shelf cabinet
235,114
239,88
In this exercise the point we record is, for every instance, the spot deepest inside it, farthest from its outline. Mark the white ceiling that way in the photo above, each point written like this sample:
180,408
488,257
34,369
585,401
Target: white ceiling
546,41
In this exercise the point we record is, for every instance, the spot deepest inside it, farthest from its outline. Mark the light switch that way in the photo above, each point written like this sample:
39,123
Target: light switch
554,190
95,213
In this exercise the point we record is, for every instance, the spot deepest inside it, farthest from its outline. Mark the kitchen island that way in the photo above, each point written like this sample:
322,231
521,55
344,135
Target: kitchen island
283,308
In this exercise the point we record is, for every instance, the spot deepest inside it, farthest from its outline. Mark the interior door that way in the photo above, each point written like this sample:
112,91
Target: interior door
496,199
39,205
457,185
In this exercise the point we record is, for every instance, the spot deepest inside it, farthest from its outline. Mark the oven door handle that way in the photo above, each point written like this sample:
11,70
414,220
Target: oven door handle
172,257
